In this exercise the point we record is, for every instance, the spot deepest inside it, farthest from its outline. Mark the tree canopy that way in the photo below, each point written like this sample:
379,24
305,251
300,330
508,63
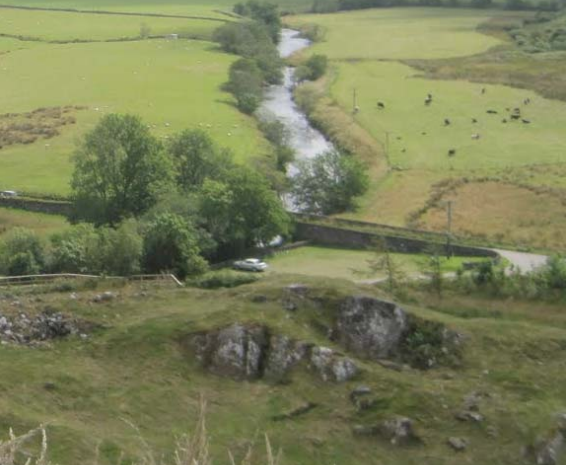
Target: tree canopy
120,169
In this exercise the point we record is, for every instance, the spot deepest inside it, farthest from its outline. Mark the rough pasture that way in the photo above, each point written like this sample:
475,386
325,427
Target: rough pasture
171,84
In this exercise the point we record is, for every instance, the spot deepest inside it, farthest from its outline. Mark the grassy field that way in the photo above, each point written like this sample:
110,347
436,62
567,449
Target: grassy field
44,225
214,8
400,33
348,264
418,136
162,81
525,161
135,368
63,26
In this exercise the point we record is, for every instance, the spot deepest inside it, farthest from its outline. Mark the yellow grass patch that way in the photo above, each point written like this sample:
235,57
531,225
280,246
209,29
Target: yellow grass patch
497,210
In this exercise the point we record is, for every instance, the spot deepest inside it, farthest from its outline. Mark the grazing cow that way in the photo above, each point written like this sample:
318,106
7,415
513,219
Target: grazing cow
504,120
428,101
515,116
475,136
492,112
403,150
482,90
381,105
446,122
473,120
451,152
423,133
527,101
516,110
526,121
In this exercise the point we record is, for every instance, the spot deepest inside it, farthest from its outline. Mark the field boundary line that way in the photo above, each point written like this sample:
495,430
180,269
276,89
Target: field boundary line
43,278
106,12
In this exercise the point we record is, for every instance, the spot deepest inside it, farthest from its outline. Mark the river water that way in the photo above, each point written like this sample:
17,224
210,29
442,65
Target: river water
306,141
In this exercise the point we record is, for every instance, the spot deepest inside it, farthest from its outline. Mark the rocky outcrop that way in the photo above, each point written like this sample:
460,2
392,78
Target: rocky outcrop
250,352
551,449
380,330
458,444
235,351
293,296
399,431
23,328
370,327
332,367
283,355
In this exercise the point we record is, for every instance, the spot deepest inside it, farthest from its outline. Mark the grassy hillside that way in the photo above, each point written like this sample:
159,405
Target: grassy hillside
160,80
136,367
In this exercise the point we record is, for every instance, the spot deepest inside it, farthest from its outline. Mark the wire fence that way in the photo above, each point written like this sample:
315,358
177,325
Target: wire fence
46,278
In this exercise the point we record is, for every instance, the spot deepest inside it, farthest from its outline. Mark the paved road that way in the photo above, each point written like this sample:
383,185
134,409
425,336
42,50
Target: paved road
525,262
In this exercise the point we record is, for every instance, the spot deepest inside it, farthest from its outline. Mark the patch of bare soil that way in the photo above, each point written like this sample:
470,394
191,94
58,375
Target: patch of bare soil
42,123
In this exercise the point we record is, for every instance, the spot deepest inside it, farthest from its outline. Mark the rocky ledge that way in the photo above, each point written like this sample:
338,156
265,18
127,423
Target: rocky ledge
251,351
25,329
379,330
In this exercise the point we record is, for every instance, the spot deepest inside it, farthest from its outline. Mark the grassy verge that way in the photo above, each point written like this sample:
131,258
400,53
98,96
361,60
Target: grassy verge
349,264
42,224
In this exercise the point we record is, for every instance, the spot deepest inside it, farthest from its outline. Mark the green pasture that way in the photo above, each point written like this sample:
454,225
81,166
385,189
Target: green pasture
214,8
63,26
172,85
42,224
417,135
400,33
348,264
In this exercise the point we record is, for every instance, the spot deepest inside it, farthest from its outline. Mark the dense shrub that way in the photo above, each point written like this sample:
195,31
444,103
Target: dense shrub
263,12
227,279
545,283
84,249
275,133
314,68
256,42
171,245
21,252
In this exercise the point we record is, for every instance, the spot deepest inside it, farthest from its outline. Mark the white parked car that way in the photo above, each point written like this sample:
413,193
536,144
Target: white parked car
8,194
250,264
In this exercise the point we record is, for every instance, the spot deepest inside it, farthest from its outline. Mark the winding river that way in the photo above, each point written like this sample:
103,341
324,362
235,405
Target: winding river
306,141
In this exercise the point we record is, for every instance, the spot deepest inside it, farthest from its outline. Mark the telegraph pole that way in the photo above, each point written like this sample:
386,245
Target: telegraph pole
387,146
354,101
449,229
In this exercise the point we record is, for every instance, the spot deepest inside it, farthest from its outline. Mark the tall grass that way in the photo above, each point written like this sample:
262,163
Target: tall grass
190,449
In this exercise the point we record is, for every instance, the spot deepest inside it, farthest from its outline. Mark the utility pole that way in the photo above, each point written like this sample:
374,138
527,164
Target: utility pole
355,108
387,146
449,229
